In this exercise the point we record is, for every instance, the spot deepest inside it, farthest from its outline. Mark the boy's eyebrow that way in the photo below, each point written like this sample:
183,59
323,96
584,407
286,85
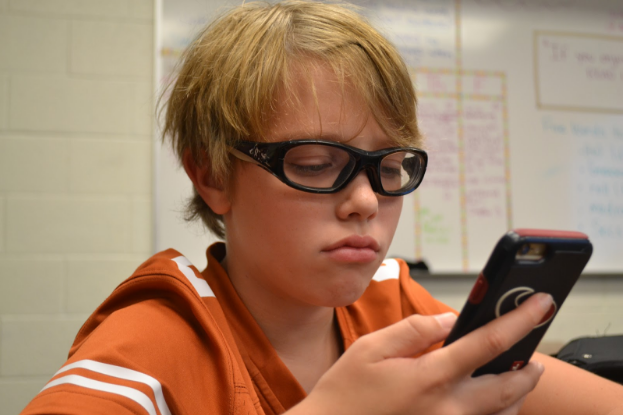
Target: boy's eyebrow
330,136
307,136
384,142
322,136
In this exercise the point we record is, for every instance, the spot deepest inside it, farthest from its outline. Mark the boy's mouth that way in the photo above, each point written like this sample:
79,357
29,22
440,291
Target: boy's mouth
355,248
357,242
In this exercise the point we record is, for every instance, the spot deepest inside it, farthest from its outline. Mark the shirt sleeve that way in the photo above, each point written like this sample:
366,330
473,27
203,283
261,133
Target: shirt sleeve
76,400
149,357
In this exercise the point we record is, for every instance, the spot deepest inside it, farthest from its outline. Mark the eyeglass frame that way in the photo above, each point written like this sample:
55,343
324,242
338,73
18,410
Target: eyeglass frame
271,156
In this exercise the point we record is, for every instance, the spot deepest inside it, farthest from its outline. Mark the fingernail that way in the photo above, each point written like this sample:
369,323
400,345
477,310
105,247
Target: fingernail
539,367
446,320
545,300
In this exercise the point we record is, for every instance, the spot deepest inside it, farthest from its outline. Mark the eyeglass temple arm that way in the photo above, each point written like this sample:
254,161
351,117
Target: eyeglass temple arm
240,155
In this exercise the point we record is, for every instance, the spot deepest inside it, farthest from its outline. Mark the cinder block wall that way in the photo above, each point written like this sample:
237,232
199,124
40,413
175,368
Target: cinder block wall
76,111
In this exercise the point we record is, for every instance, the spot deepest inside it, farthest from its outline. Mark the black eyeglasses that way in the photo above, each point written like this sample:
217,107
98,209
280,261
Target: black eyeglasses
318,166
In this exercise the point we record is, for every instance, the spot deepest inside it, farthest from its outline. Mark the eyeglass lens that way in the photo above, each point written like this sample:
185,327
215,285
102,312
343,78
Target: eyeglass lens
324,167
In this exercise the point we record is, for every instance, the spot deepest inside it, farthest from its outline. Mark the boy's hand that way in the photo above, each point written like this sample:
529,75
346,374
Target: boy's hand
377,376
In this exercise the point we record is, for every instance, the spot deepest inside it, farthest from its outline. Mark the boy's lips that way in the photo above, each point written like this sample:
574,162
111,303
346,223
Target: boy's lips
355,248
355,241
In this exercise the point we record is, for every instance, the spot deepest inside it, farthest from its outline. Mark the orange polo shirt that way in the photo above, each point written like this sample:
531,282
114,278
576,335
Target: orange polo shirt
172,340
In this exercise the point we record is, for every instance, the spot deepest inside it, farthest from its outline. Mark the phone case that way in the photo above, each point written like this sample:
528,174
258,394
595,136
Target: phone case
508,279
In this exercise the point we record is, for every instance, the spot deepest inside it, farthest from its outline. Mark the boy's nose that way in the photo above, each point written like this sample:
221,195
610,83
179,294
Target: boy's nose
359,201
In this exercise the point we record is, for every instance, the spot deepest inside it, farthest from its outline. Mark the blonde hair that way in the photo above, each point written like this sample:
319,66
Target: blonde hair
229,76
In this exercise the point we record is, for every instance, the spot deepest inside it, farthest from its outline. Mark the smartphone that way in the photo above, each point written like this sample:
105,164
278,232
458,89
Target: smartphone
524,262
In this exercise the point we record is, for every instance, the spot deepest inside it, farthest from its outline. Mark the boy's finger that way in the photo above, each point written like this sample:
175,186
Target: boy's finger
513,410
504,392
482,345
409,336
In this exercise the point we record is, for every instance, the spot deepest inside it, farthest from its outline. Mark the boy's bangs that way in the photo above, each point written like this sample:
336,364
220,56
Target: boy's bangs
387,97
384,84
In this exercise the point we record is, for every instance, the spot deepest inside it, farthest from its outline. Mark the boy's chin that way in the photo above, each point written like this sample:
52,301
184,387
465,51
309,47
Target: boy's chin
342,296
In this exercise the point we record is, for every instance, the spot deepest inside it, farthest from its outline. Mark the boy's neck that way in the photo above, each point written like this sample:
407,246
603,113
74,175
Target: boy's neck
307,339
308,361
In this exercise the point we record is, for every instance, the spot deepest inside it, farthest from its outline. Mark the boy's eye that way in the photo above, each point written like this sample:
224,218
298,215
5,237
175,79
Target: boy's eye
314,160
391,168
308,166
390,172
316,166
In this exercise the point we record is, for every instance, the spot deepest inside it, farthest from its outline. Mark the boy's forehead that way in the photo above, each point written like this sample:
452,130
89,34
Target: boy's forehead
317,104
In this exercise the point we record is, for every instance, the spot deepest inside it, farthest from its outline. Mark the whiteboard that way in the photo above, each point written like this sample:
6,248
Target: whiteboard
521,102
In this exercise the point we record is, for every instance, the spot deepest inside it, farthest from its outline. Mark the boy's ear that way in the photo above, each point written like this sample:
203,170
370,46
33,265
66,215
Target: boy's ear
211,191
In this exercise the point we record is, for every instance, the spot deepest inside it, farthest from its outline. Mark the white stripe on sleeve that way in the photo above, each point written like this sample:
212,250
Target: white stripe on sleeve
200,285
137,396
389,270
121,373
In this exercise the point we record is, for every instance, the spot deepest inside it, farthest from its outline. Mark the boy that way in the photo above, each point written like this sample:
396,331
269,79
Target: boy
296,123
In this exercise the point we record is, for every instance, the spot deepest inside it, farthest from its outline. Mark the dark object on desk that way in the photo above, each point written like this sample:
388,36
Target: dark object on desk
602,356
415,265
